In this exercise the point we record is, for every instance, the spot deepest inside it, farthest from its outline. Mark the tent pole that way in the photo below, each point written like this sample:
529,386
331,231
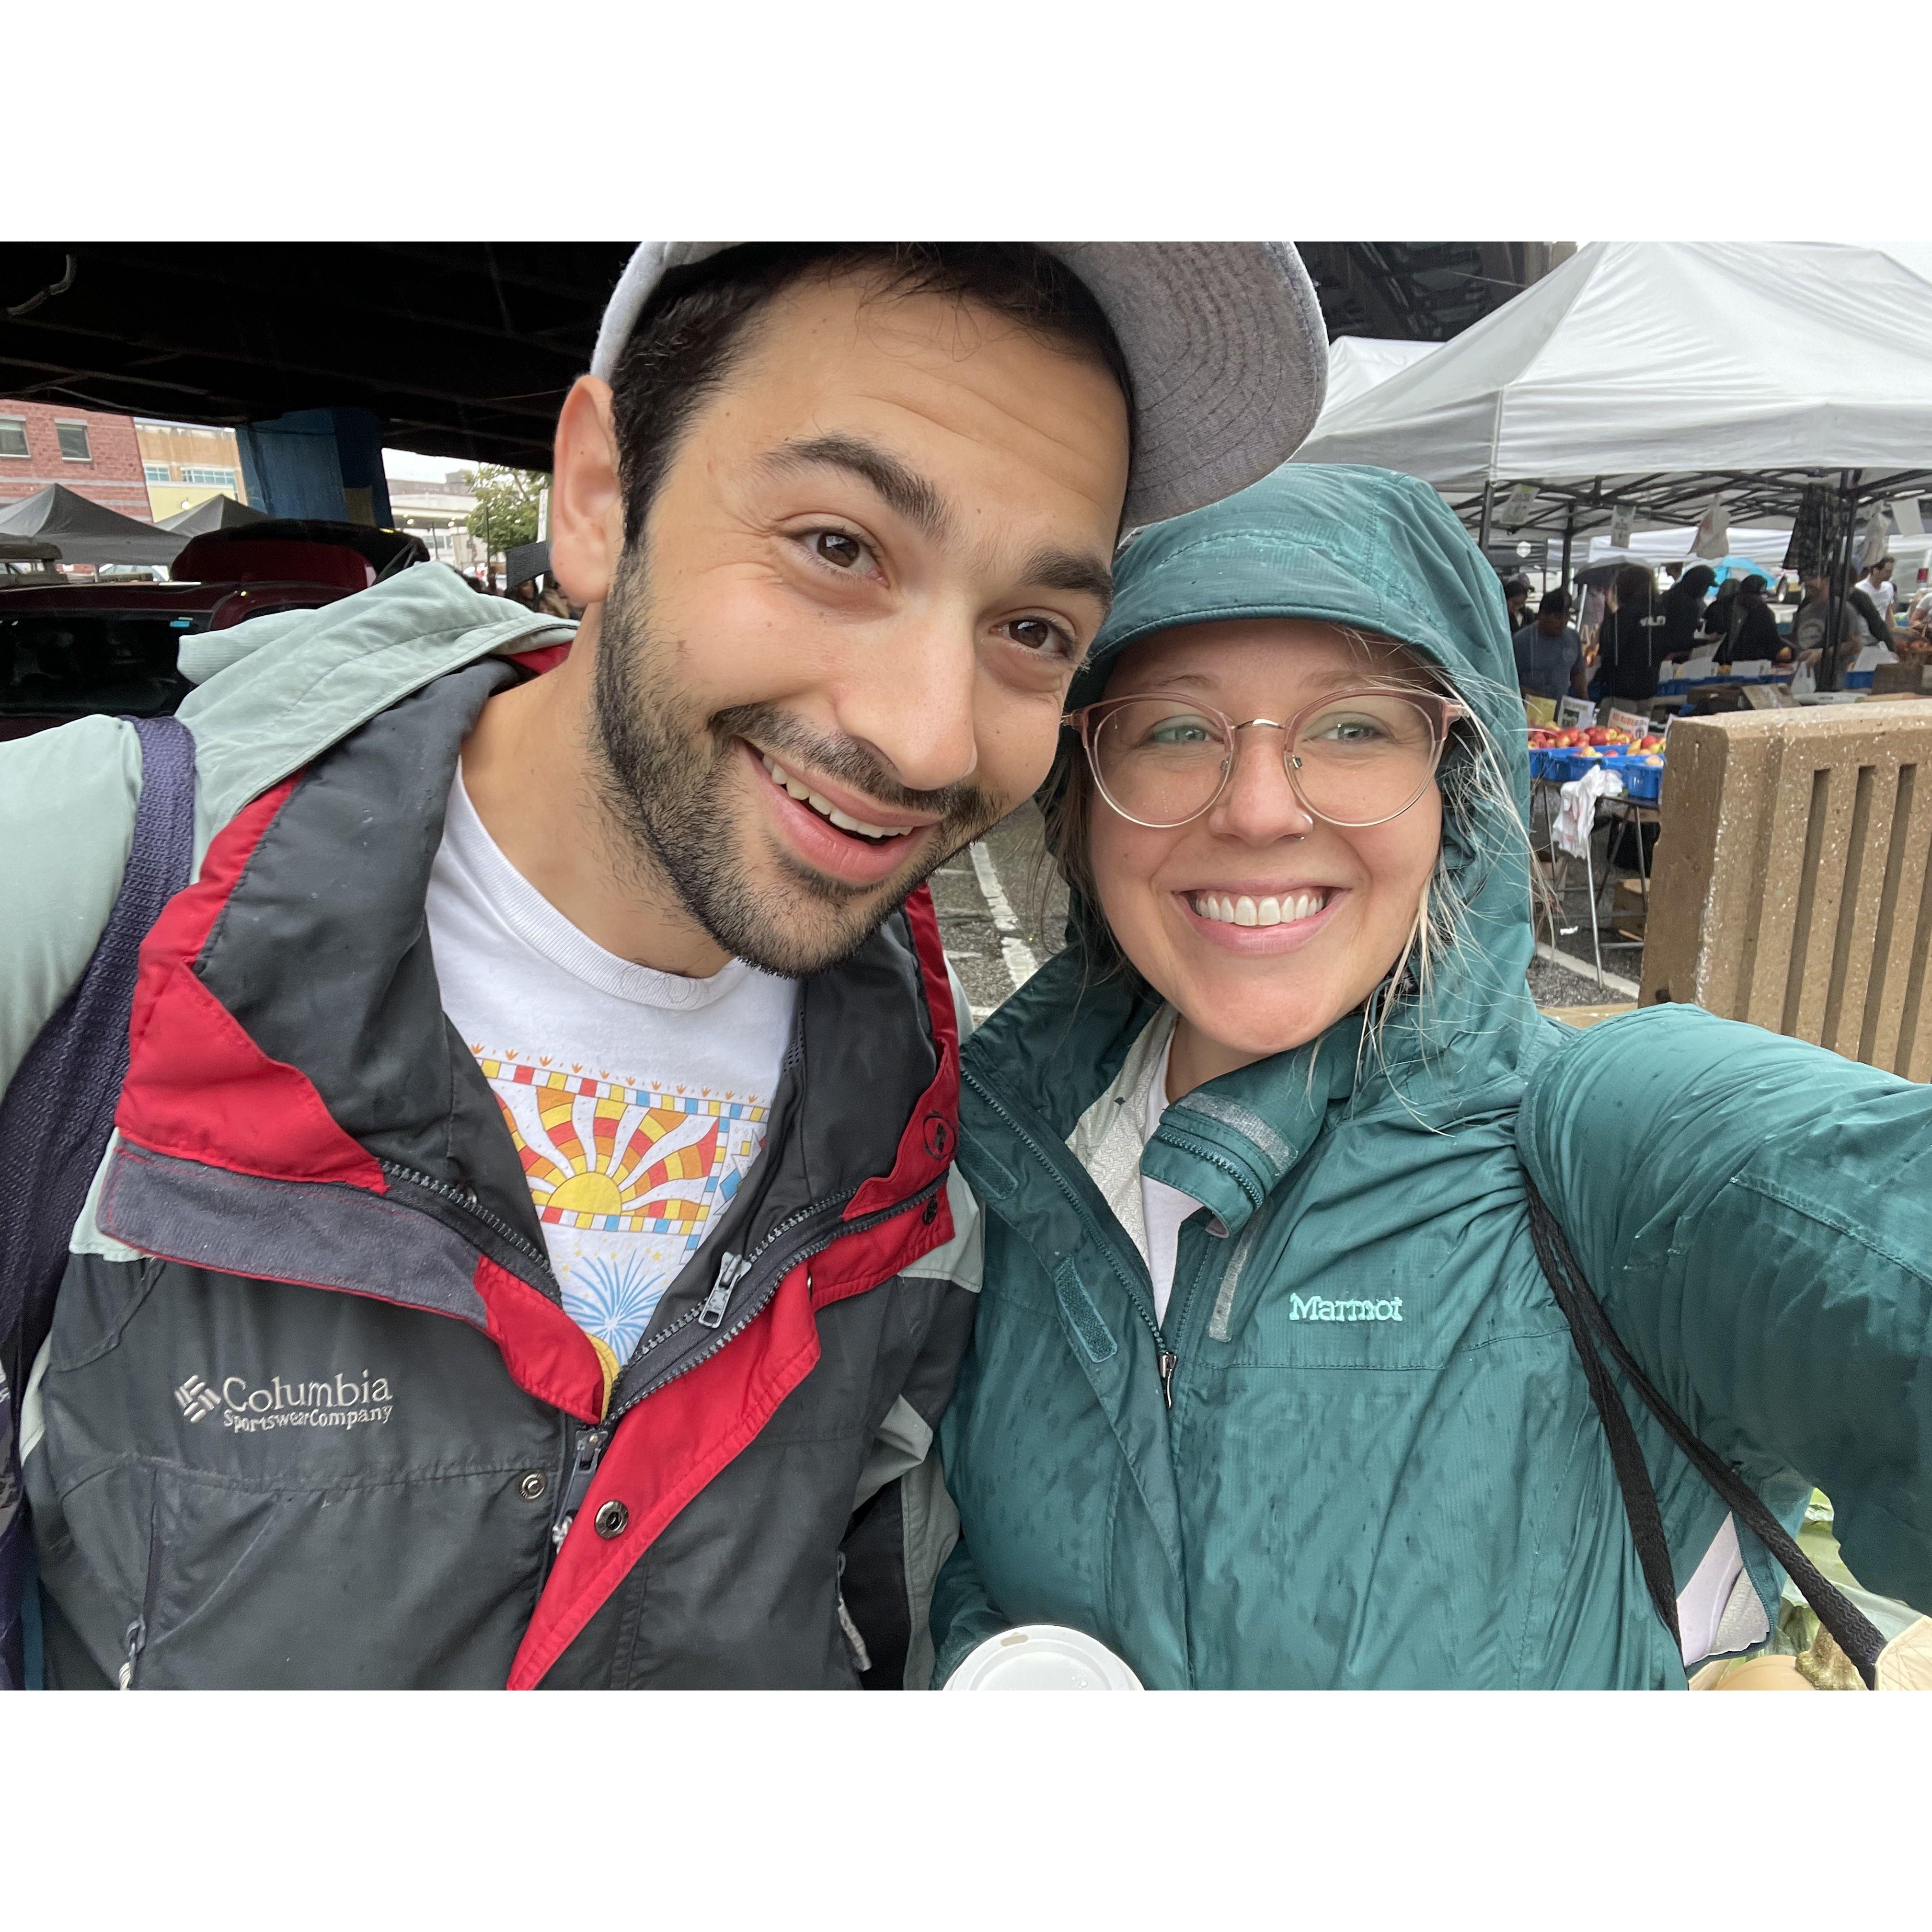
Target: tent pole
1569,537
1848,484
1482,534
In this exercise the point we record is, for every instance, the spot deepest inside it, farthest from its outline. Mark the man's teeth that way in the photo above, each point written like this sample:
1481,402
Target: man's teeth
1243,910
826,809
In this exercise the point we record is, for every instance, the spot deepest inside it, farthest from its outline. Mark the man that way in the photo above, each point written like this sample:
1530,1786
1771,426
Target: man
1549,652
1630,645
1684,608
1821,620
530,1253
1876,584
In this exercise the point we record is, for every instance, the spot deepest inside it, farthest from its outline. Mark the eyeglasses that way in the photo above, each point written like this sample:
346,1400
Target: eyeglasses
1356,758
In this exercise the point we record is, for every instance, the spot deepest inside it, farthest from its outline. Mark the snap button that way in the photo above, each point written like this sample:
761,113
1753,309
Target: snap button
532,1484
612,1519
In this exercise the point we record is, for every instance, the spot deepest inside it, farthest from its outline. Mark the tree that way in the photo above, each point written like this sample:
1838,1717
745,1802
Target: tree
506,514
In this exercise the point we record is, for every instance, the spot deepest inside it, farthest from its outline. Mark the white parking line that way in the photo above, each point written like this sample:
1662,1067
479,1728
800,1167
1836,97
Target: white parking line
1020,964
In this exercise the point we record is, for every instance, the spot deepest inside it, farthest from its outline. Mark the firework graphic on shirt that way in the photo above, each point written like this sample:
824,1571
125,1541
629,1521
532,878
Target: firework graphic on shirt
606,1158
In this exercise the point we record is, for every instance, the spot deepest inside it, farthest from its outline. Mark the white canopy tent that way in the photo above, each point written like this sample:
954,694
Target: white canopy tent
1637,357
1358,364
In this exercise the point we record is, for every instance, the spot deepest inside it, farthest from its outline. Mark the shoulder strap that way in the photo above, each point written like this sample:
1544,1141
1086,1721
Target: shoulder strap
1589,1326
58,1110
56,1118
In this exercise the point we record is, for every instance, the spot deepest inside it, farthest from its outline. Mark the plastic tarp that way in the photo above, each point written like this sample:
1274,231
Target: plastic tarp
1638,357
1358,364
87,531
219,512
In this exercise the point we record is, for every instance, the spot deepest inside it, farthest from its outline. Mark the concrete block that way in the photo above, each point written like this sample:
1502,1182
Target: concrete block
1793,881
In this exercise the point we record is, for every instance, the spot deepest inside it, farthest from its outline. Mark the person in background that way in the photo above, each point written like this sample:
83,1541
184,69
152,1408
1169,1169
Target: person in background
1919,624
1720,614
1820,617
1549,652
1877,585
1629,643
1683,607
1754,635
1516,601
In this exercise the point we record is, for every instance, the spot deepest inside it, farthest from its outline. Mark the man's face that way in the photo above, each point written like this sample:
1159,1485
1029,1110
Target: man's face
842,649
1880,571
1551,623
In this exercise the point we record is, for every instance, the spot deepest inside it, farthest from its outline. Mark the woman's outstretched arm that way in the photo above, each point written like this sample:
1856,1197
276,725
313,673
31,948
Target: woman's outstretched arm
1755,1215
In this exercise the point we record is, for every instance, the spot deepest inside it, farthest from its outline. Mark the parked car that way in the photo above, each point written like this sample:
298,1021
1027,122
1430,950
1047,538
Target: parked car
71,650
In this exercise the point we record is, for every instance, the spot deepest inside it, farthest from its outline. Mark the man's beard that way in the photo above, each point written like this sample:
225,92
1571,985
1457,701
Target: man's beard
666,778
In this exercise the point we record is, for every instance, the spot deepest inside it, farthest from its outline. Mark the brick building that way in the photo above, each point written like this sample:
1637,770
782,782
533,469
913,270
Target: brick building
94,455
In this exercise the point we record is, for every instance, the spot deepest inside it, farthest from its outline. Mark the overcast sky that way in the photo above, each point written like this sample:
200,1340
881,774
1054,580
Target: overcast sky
405,462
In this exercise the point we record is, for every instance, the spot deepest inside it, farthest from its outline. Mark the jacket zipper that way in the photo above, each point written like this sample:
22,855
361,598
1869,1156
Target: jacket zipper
710,1313
1240,1180
466,1199
135,1640
1165,1360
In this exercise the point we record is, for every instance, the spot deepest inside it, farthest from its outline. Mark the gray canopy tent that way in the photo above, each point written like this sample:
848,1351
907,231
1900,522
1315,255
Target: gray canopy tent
219,512
87,532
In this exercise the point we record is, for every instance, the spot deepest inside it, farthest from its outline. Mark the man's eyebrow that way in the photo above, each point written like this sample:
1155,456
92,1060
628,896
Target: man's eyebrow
898,487
1067,570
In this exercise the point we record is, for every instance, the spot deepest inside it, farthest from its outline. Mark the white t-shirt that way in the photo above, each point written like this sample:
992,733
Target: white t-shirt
637,1100
1883,595
1109,1141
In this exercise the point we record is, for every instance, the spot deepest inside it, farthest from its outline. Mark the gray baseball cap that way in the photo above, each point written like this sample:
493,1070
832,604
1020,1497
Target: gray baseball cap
1224,340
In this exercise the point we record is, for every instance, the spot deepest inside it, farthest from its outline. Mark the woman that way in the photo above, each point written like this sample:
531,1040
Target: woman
1755,639
1268,1386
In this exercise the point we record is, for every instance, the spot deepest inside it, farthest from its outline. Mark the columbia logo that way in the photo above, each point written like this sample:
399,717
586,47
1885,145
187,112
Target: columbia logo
196,1398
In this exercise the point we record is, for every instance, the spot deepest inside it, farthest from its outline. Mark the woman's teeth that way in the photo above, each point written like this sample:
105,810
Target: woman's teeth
1245,911
826,809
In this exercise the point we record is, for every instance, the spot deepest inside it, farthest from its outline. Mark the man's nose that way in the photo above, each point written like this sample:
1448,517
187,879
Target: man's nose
1259,805
911,704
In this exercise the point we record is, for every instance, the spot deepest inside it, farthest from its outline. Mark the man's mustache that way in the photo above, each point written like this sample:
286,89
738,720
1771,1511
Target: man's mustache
785,737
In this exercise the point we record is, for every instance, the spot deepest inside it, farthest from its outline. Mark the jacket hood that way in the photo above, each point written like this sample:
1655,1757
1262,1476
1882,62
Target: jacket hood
1383,553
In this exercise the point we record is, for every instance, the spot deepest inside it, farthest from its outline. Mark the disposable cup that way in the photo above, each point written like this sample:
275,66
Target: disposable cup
1043,1657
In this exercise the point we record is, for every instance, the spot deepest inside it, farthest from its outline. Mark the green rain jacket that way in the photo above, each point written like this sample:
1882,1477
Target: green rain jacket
1381,1466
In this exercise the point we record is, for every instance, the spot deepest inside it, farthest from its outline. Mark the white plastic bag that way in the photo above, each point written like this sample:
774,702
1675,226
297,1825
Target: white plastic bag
1576,816
1803,682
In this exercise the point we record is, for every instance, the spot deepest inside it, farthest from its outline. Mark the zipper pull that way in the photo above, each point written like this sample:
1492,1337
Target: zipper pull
731,1271
583,1472
137,1641
1166,1362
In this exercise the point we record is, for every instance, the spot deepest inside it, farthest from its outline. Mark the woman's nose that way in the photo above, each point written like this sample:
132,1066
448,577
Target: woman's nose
1259,805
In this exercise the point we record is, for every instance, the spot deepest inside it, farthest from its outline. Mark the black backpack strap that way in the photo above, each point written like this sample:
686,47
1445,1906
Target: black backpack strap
57,1115
1590,1327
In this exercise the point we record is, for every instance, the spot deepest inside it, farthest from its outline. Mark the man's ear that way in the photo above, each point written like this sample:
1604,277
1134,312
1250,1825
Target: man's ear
586,498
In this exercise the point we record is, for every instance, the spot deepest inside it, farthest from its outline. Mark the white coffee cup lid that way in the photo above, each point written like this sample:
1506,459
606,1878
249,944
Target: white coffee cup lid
1043,1657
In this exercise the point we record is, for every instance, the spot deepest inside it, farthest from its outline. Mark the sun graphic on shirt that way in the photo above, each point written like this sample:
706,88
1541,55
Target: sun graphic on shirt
605,1161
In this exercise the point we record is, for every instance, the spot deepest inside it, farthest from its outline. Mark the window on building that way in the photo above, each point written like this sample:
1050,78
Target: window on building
223,479
73,441
13,436
156,472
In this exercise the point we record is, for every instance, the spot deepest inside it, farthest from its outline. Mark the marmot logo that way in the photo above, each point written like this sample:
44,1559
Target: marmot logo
344,1401
1313,1308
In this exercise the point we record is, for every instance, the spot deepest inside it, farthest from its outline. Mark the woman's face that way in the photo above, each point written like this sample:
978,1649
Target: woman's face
1348,896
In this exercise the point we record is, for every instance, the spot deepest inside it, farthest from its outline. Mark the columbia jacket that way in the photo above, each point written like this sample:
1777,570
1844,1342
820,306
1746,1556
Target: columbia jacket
1359,1450
311,1412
